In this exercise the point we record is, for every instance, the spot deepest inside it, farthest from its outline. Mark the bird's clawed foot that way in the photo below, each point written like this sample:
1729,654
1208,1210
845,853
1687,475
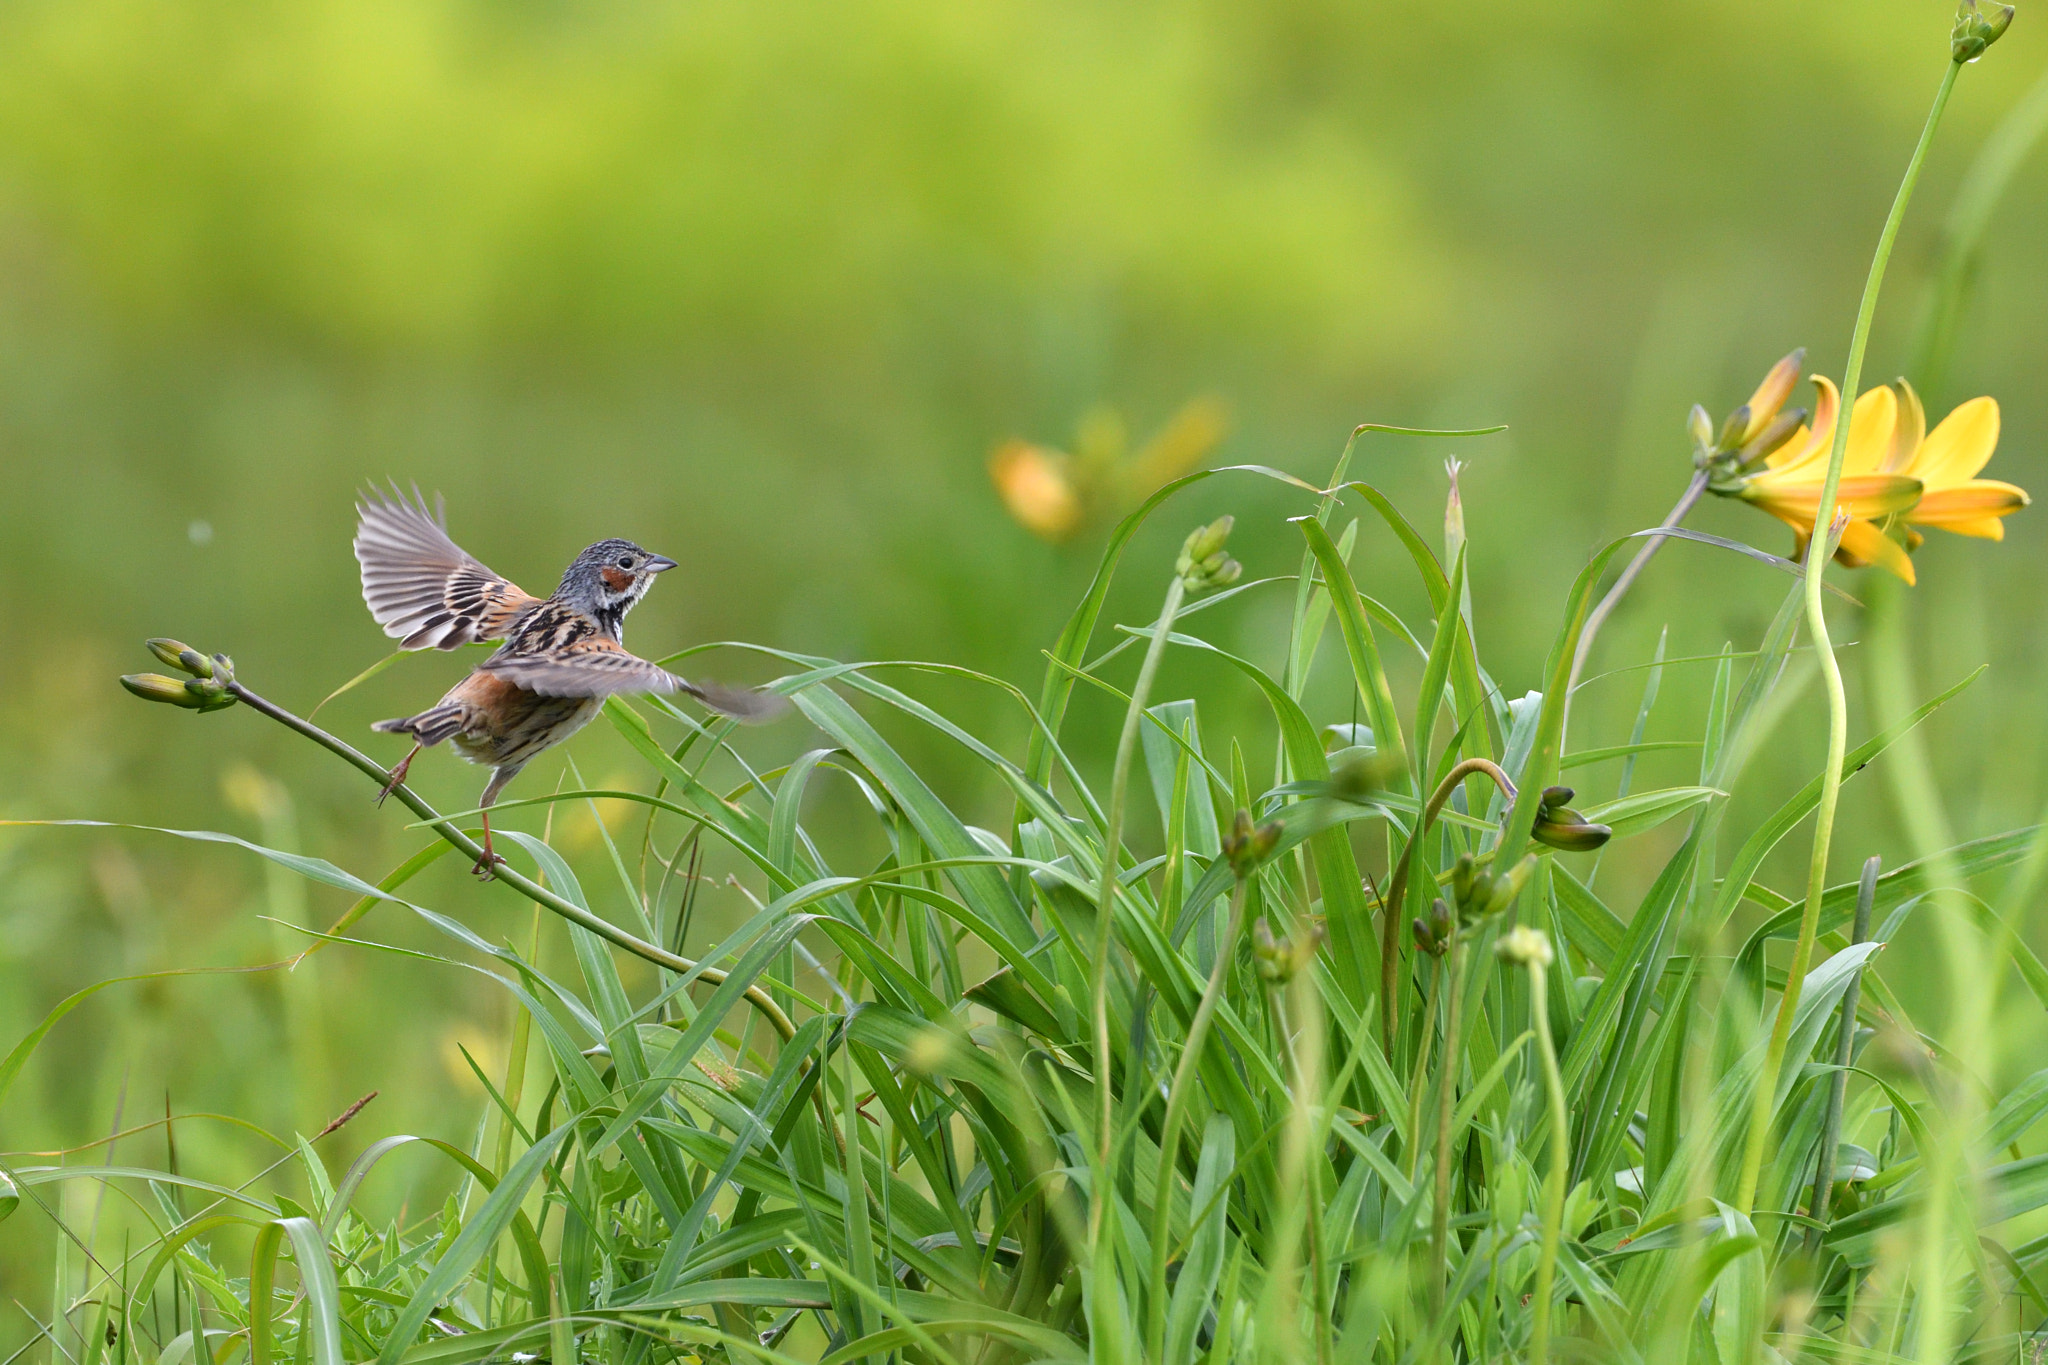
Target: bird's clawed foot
397,775
484,869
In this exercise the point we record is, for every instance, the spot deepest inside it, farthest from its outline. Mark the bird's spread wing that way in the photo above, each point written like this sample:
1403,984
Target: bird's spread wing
599,667
420,585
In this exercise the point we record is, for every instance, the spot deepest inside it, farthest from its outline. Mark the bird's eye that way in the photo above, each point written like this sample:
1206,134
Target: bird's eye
625,561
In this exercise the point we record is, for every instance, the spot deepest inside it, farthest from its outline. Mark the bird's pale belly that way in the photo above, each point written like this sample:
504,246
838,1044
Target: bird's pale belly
506,726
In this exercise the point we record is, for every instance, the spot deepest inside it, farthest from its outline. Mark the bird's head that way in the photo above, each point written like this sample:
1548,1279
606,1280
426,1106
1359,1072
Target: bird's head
609,577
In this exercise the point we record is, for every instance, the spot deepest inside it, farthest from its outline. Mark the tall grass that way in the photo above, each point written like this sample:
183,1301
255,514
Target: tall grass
1352,1064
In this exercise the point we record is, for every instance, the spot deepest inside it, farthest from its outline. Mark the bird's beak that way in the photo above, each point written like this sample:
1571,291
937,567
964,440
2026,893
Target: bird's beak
658,563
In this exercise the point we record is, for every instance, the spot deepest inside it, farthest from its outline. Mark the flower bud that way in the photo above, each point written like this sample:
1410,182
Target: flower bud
1765,442
1424,940
180,655
1463,874
1523,945
1208,540
1561,827
1976,30
1203,566
1279,961
1569,832
1701,428
1506,888
1246,846
1771,394
1735,430
156,687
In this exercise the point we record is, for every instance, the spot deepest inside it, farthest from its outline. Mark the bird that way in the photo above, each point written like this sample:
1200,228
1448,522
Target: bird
560,658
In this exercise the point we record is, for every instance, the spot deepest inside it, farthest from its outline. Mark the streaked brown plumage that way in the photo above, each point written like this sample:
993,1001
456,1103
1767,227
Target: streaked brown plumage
562,654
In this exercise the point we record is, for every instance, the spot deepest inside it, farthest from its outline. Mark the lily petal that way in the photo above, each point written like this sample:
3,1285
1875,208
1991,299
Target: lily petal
1864,495
1977,500
1863,543
1960,446
1814,443
1870,431
1910,431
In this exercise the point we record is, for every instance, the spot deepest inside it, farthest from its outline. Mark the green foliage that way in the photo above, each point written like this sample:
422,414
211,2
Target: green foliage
897,1152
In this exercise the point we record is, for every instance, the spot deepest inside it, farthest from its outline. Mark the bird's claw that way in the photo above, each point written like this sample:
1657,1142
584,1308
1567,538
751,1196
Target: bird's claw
483,871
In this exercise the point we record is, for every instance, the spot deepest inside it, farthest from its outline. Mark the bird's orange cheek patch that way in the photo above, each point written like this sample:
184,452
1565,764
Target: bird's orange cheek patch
618,580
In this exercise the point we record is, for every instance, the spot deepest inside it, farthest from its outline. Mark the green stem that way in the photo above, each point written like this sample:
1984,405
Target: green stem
1397,889
504,875
1105,898
1178,1097
1446,1106
1845,1044
1819,546
1560,1155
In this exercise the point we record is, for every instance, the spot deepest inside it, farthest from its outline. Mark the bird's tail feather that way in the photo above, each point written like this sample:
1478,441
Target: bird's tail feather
747,705
428,727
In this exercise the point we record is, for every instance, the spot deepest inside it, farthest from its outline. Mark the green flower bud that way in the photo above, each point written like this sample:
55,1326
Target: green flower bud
1423,939
157,687
1523,945
1208,540
1701,428
1734,430
1553,797
1463,875
180,655
1567,831
1505,889
1246,846
1976,30
1278,962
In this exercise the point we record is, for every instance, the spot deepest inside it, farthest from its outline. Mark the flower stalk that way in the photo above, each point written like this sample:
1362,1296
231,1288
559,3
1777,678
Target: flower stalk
1390,912
1203,565
1530,948
1817,551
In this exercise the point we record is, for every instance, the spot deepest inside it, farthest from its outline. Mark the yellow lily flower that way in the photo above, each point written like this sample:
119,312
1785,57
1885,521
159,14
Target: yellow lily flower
1893,468
1871,488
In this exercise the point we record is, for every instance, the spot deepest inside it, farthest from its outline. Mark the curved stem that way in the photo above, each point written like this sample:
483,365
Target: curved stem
1105,897
1560,1154
1397,889
1178,1096
526,887
1817,550
1598,616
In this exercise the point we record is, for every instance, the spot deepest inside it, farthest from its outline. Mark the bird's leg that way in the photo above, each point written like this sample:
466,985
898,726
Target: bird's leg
398,774
490,859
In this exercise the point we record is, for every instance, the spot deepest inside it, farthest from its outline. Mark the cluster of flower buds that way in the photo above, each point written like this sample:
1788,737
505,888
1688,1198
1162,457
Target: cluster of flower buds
1477,892
206,690
1561,827
1246,846
1280,960
1203,566
1752,432
1976,30
1521,946
1433,935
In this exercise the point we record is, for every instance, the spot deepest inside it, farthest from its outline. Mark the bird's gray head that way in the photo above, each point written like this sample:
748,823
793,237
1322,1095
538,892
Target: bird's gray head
609,577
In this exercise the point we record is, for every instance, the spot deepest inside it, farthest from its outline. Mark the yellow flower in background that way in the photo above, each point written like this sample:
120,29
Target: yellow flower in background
1053,494
1035,486
1896,475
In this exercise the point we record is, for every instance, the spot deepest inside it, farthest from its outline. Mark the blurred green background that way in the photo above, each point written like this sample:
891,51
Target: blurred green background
762,286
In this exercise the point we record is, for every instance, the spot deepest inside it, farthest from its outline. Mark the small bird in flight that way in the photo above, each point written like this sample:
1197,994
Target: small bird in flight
561,657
